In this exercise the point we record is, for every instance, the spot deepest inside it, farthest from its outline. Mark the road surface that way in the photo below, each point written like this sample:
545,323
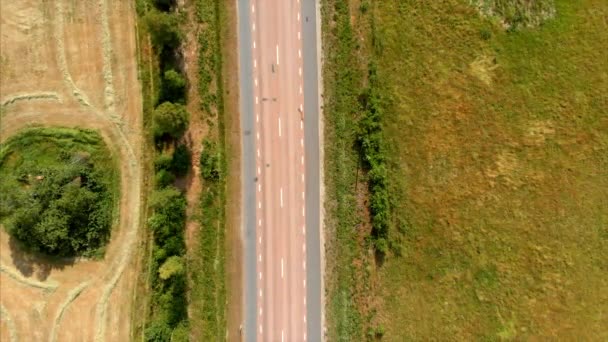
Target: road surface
279,109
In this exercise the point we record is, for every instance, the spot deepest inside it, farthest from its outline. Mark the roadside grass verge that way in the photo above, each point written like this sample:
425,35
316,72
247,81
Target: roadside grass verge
497,147
207,263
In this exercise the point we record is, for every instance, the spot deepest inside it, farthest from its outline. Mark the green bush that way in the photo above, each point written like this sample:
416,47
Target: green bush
211,159
170,119
180,163
164,29
55,198
173,87
164,178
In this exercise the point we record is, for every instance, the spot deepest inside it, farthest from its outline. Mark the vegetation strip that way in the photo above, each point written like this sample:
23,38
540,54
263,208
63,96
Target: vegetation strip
208,293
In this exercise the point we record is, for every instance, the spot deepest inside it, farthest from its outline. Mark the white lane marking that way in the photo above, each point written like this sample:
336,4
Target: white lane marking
260,205
299,53
303,264
304,335
277,54
260,275
256,82
279,126
254,44
256,100
257,135
257,118
260,224
302,142
260,328
303,249
303,229
281,190
298,35
304,284
252,8
302,194
259,171
260,258
304,322
300,71
260,311
300,90
255,63
258,152
304,300
298,16
282,272
302,178
282,337
254,26
301,125
259,187
260,292
302,160
302,210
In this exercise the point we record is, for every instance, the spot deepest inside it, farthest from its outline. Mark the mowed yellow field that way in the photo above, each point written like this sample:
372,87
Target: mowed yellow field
73,64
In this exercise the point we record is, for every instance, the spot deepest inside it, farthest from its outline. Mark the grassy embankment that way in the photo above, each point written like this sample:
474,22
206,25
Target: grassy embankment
496,171
208,260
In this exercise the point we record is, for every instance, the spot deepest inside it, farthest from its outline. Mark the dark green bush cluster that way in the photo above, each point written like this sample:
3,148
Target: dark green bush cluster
170,117
62,211
56,196
168,279
371,140
169,319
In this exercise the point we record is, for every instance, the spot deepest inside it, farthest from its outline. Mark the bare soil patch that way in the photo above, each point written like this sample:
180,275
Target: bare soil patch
72,64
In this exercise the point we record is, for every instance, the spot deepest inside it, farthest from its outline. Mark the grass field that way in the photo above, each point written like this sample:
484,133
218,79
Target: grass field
498,171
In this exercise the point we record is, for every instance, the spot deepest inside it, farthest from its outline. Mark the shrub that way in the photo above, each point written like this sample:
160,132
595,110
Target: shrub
211,157
170,119
173,87
164,29
180,163
164,178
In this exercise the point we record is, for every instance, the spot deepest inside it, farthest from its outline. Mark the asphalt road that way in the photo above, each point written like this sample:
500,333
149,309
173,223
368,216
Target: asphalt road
279,118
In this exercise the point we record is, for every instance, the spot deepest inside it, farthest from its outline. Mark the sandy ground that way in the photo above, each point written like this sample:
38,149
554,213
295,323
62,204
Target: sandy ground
72,63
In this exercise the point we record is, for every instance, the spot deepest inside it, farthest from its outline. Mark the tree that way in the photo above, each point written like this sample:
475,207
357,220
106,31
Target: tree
170,119
174,86
171,267
164,29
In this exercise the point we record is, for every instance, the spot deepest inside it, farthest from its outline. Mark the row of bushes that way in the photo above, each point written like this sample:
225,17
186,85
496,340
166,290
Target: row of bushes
372,146
168,276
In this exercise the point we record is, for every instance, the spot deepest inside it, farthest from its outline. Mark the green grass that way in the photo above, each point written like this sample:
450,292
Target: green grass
497,169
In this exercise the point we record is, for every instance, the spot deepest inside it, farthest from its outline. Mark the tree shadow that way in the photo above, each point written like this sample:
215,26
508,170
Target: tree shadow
38,265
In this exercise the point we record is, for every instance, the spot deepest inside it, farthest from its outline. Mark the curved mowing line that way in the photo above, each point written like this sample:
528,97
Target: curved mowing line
50,286
63,64
106,44
5,316
72,295
30,96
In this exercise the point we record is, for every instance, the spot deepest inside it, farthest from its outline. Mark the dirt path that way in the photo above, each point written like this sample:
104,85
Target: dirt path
83,54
